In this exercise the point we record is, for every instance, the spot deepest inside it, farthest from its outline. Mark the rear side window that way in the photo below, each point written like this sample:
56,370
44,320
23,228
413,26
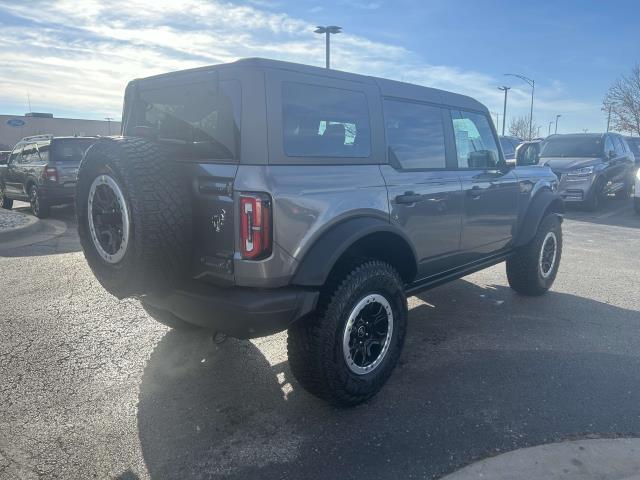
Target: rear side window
69,150
415,135
475,143
324,121
204,117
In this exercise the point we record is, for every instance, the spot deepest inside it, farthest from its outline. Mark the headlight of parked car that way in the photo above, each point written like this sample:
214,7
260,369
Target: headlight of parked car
581,172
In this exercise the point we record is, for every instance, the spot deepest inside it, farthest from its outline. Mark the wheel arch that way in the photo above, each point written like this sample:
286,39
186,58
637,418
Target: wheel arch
368,237
544,202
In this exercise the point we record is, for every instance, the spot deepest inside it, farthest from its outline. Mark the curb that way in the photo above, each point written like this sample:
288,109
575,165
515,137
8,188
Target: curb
33,225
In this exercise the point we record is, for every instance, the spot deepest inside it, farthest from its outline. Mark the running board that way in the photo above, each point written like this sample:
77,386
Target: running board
442,278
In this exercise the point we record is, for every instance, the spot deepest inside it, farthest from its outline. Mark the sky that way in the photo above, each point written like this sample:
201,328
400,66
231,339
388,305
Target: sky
74,59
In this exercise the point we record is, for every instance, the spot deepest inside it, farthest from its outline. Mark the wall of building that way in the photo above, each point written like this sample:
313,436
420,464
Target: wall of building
15,127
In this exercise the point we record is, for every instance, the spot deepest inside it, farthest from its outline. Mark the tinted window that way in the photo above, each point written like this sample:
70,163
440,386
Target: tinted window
324,121
69,150
415,134
609,146
29,154
619,146
475,144
507,147
573,146
14,157
203,118
634,145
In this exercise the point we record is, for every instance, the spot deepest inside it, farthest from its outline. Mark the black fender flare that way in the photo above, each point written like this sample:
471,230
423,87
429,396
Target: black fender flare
544,202
321,257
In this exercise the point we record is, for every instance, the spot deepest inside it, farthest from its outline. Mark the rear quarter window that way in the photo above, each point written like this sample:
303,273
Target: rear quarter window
325,121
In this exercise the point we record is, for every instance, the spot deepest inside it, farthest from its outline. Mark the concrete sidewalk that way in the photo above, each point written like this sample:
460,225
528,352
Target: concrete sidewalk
601,459
14,225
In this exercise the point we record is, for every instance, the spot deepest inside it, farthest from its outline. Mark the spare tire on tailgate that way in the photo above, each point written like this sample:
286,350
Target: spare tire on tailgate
134,216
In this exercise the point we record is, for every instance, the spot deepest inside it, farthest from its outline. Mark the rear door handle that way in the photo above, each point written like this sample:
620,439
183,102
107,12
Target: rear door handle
409,197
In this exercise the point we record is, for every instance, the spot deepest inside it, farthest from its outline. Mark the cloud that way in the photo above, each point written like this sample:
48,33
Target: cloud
80,59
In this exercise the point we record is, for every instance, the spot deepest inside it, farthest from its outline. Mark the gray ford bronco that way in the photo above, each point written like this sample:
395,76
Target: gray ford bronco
261,196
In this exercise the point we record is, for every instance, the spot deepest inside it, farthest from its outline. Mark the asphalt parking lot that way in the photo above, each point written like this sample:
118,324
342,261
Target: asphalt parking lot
93,388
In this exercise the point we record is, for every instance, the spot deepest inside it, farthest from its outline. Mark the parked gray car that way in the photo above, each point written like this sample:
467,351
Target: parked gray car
590,166
42,170
259,196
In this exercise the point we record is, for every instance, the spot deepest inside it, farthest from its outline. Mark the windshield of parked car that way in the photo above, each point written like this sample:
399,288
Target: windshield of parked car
580,146
68,150
204,117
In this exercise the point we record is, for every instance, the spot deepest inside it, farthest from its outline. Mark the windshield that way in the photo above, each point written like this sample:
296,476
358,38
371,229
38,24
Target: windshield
582,146
200,116
69,150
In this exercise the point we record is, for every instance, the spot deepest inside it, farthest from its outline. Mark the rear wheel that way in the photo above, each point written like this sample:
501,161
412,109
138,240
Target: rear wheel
533,268
6,203
134,216
39,207
346,352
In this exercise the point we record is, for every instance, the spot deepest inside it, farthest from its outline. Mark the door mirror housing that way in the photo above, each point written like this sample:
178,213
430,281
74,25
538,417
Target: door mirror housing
528,153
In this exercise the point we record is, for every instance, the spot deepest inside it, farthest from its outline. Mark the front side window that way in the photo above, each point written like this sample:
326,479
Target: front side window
14,157
507,147
203,117
29,154
620,150
324,121
475,143
609,146
415,135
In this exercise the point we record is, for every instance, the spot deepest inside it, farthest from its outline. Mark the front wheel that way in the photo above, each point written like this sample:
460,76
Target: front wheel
6,203
346,352
533,268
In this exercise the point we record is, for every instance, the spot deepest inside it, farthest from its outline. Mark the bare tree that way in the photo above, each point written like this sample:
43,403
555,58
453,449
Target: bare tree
519,127
623,98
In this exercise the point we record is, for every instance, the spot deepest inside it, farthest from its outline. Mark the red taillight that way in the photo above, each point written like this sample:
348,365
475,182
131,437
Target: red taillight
255,226
51,174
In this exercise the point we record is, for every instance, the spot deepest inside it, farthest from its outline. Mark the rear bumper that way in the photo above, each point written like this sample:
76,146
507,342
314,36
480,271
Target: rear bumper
62,193
240,312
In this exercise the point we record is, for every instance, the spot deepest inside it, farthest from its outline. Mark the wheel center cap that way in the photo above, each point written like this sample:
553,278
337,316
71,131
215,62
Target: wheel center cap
361,331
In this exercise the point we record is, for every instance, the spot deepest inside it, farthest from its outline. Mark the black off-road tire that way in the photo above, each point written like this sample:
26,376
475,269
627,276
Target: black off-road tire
6,203
315,347
158,202
524,270
39,207
167,318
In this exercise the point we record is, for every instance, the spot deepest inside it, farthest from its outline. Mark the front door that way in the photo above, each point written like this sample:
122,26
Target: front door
12,183
491,190
425,196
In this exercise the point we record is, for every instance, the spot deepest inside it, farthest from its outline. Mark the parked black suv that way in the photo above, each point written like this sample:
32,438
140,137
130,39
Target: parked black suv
260,196
42,170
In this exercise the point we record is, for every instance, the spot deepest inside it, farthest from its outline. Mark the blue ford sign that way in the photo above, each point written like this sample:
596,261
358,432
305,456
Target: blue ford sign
16,122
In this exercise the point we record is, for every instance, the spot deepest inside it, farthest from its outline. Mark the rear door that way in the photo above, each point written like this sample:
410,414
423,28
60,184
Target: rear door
425,194
11,183
491,191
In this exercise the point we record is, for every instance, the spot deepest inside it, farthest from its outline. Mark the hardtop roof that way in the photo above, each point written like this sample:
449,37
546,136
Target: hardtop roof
391,88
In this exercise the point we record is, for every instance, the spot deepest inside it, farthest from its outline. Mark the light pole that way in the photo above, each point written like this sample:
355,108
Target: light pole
532,84
504,111
549,132
609,119
557,117
328,30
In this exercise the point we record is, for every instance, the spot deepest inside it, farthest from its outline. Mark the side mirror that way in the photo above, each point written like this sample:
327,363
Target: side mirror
528,153
482,159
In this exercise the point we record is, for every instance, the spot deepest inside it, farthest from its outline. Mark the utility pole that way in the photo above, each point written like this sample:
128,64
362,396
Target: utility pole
504,110
532,84
609,118
557,117
328,30
550,123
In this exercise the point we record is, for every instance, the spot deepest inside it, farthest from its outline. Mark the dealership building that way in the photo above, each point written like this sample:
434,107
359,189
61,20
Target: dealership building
15,127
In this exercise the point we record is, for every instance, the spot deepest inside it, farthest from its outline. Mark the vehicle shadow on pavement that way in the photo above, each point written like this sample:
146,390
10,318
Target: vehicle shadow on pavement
484,371
614,212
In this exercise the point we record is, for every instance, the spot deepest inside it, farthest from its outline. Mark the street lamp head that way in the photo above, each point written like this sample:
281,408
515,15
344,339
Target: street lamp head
328,29
504,88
